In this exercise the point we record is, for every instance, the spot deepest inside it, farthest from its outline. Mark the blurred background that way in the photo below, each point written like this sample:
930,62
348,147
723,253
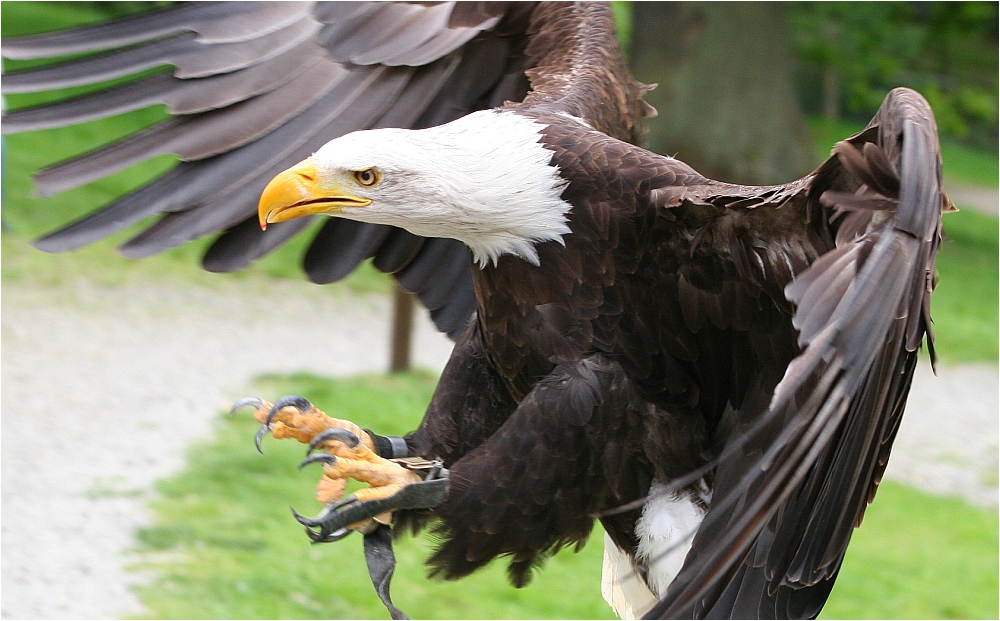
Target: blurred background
168,512
747,89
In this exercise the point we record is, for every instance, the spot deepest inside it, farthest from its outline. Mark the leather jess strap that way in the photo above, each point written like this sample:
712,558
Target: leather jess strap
381,564
379,556
389,447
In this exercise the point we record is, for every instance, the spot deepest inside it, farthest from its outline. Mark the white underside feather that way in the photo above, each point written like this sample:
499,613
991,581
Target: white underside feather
665,531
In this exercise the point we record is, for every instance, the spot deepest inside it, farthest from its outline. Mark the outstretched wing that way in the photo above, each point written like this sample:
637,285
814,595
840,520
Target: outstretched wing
255,87
793,482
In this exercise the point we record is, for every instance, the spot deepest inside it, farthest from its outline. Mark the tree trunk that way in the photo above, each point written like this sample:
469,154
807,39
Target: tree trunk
402,330
831,75
726,101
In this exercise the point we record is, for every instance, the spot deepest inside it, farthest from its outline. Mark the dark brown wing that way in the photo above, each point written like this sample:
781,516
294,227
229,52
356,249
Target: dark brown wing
794,478
578,69
255,87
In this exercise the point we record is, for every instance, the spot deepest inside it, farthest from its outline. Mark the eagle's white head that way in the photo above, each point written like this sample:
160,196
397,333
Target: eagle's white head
484,179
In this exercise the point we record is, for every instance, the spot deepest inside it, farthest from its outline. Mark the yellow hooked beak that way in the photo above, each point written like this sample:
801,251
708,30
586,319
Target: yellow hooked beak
296,192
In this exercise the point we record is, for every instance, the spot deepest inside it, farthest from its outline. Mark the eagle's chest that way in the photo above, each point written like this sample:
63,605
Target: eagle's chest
531,320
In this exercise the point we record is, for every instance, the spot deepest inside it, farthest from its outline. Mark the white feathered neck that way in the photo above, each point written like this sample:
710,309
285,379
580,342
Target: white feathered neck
484,179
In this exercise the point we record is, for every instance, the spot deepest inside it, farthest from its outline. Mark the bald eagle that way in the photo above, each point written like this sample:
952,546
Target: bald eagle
716,372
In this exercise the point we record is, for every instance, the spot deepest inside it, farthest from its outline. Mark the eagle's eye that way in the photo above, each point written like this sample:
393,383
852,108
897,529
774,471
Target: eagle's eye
367,177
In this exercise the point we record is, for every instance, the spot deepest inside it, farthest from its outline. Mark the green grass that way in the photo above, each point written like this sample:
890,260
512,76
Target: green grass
223,544
961,164
964,304
919,557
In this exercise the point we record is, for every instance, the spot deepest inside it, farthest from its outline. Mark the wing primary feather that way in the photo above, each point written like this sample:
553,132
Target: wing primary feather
149,200
828,531
116,33
476,72
207,59
453,317
398,251
180,96
394,29
341,18
102,104
419,274
194,183
420,94
213,22
882,171
196,136
94,69
786,460
227,210
190,57
244,242
448,277
852,201
439,45
339,247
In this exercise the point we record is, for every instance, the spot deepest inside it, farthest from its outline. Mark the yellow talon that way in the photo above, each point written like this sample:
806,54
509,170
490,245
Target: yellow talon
355,459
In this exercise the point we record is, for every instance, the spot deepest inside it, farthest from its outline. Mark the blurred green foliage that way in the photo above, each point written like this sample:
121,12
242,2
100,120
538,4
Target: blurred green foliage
861,50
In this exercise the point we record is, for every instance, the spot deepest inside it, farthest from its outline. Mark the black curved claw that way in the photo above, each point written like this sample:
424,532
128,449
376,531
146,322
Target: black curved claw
336,516
326,526
311,524
256,402
319,537
299,403
318,457
259,437
305,521
325,514
343,435
336,535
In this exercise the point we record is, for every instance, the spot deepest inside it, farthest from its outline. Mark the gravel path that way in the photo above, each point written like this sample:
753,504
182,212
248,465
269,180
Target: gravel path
103,389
